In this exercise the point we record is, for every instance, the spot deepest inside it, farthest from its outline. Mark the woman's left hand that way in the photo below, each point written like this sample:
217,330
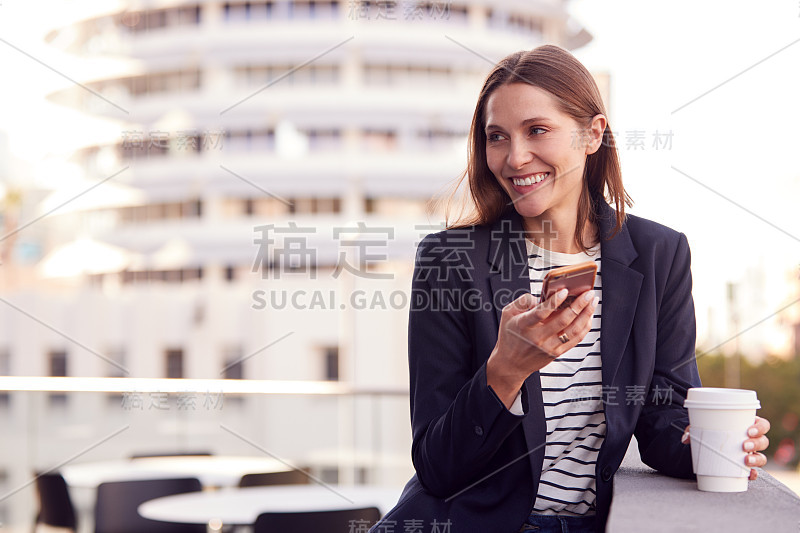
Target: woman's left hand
757,442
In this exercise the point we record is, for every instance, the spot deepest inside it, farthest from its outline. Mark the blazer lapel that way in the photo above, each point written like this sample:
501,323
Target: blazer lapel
508,260
508,275
621,285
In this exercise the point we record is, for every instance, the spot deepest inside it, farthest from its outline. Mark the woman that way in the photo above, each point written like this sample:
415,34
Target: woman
520,415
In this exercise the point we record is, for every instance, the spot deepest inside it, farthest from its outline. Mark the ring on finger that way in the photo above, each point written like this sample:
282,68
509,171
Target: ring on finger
574,311
563,338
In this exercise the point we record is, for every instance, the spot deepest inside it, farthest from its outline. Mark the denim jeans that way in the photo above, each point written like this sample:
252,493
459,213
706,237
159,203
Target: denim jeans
540,523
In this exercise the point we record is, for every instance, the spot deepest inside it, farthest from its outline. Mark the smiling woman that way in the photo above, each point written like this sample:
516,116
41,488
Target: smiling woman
520,415
566,121
548,185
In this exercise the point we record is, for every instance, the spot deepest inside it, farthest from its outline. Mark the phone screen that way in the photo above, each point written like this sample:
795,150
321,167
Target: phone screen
577,279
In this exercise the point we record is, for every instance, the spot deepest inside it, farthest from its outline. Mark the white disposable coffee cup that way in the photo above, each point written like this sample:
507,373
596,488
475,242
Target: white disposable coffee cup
719,420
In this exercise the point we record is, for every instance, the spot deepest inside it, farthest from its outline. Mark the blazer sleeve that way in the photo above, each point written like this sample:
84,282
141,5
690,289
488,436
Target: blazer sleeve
458,422
663,417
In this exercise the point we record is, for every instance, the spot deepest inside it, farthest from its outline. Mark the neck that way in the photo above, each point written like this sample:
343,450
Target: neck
557,234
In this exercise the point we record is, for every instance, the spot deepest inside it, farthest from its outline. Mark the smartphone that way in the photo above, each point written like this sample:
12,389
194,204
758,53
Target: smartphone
577,278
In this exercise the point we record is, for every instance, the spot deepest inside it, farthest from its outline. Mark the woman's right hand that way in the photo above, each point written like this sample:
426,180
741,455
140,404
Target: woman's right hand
528,338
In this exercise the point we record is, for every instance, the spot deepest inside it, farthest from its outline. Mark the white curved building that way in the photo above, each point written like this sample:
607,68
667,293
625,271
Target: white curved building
310,116
366,104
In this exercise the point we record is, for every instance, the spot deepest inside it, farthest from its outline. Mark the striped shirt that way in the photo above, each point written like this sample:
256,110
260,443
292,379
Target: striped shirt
573,406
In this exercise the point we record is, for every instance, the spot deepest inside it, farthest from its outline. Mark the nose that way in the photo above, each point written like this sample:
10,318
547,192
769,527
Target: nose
519,155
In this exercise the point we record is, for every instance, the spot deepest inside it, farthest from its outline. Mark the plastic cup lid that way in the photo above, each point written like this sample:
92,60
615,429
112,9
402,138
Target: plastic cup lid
717,398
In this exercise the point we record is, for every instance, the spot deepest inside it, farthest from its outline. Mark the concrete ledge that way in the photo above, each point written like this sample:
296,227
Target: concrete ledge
645,500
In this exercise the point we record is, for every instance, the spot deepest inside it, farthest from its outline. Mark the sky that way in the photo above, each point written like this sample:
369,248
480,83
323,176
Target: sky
724,78
715,82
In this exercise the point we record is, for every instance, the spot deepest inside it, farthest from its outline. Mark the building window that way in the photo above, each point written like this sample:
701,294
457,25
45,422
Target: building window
57,360
193,209
396,206
4,488
233,366
117,355
116,370
301,205
177,81
288,74
5,370
295,9
174,363
161,211
189,15
141,21
331,363
379,140
185,275
58,363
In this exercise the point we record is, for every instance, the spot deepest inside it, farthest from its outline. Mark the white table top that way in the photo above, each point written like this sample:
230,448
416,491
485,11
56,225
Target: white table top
212,471
241,506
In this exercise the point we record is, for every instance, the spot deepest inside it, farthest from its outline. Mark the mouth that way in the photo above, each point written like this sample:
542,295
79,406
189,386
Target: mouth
529,182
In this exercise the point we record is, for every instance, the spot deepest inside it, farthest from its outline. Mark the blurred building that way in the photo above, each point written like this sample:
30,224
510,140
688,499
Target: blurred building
256,218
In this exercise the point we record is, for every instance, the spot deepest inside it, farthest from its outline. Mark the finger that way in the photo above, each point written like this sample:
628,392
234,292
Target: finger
544,309
575,310
753,474
685,436
756,445
577,323
760,427
524,303
576,330
581,302
755,459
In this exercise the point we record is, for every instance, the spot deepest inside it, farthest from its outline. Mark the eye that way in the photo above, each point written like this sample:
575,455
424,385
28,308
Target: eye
494,137
536,129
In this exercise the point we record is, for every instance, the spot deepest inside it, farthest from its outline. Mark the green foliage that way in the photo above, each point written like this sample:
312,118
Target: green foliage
777,383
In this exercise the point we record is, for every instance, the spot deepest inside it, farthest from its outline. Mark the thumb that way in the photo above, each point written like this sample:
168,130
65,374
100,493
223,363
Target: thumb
524,303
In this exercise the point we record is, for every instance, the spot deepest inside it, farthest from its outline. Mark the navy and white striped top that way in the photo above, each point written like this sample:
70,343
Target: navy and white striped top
573,406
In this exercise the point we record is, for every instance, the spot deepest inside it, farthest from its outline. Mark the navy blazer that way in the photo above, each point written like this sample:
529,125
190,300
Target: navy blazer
477,464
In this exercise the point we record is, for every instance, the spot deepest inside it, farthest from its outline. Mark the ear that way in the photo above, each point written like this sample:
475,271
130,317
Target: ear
594,133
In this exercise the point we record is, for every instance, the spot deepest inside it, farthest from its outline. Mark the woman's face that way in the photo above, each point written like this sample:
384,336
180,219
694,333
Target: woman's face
536,152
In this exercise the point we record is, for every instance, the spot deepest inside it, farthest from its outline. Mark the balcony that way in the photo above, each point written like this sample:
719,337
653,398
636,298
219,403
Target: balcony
645,500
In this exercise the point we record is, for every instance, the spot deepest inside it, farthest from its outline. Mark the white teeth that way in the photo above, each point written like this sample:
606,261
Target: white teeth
530,181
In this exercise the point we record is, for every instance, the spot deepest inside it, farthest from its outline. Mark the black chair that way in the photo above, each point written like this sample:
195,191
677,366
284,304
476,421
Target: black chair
169,454
290,477
118,501
344,521
55,505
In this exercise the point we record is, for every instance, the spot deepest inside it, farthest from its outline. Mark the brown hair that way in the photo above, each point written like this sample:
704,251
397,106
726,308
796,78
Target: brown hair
558,72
